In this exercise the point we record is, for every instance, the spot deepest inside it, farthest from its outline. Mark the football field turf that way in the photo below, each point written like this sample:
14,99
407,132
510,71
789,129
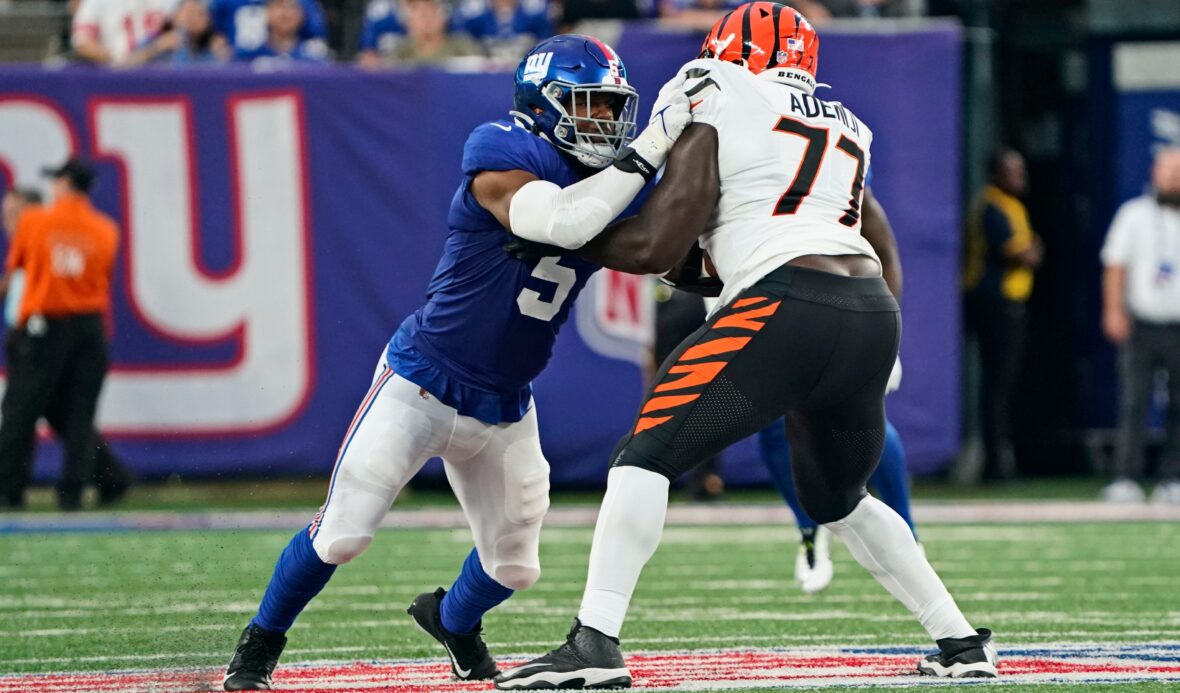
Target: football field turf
1097,605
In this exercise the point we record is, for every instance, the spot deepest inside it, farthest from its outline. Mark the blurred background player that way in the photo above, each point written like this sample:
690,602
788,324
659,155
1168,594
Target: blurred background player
787,247
1141,315
58,344
1001,254
455,379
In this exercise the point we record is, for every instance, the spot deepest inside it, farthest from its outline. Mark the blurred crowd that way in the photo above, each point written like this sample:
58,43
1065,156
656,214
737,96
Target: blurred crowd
272,33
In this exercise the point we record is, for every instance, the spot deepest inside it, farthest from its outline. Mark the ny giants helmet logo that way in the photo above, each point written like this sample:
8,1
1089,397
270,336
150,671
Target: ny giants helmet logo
536,66
613,67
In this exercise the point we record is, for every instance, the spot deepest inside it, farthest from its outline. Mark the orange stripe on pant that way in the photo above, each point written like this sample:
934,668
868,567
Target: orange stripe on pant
696,374
713,347
649,422
745,320
667,402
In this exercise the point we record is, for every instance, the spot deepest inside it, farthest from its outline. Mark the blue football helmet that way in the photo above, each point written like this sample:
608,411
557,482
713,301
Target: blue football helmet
557,84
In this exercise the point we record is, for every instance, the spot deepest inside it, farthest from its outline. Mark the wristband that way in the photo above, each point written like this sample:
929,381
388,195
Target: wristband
629,161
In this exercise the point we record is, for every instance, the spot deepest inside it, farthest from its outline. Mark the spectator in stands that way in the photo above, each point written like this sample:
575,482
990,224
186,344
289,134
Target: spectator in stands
107,32
506,28
284,27
1141,314
188,38
381,33
873,8
1001,255
427,39
703,13
109,475
244,23
67,252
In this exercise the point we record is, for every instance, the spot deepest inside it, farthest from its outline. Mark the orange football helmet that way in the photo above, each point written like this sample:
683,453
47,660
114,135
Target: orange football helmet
768,39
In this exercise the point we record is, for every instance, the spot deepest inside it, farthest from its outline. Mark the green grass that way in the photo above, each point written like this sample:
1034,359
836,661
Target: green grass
97,601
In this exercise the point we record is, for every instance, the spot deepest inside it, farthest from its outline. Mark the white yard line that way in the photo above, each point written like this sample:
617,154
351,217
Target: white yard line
958,512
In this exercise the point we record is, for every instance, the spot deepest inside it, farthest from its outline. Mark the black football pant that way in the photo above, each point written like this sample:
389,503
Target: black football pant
677,317
1152,347
810,345
999,327
56,371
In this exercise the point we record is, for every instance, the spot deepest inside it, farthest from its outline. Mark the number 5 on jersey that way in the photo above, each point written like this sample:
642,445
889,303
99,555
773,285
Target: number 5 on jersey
531,303
813,158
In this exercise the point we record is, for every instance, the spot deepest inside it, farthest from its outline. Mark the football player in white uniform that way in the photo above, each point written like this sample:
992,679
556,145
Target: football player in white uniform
770,179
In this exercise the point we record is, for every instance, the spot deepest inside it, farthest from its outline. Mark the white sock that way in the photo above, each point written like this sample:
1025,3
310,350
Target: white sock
881,541
628,531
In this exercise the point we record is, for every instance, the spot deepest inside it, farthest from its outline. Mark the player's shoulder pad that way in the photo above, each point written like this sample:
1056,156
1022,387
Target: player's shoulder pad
502,145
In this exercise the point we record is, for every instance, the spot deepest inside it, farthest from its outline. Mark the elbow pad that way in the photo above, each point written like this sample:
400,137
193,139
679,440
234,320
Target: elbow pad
572,216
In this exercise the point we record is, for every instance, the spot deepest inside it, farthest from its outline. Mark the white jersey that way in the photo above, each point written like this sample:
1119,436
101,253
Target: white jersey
792,171
120,26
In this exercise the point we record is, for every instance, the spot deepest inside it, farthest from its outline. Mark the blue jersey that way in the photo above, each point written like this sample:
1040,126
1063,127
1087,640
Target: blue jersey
478,18
382,29
490,320
243,22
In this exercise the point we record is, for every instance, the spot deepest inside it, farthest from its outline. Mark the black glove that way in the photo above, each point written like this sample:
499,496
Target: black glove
531,252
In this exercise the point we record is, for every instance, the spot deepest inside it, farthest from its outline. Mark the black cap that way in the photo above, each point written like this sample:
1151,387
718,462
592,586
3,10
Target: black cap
80,174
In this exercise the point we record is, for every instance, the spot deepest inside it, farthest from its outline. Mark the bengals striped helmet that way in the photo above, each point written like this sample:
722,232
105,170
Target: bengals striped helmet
768,39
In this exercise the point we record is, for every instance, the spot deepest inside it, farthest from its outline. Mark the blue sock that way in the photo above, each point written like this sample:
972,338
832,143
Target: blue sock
473,595
891,481
299,575
776,455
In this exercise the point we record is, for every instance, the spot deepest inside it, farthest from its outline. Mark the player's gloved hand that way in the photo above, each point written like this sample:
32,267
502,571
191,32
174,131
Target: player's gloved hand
894,383
669,117
530,252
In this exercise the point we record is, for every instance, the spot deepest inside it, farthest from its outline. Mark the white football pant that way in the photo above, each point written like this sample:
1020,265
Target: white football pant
497,472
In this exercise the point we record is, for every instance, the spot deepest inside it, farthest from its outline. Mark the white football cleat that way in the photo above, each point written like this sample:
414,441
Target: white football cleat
1123,490
963,658
813,563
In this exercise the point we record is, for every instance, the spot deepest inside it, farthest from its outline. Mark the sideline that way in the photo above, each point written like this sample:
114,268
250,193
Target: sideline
950,512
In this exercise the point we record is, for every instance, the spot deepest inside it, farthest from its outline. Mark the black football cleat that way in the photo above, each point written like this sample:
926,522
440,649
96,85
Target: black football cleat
254,660
972,657
469,656
587,660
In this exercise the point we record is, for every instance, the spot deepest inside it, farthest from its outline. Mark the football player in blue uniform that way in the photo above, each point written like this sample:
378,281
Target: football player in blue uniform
454,381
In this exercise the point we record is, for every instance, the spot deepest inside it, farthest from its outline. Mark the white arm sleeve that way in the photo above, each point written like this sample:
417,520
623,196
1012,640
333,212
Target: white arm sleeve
570,217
